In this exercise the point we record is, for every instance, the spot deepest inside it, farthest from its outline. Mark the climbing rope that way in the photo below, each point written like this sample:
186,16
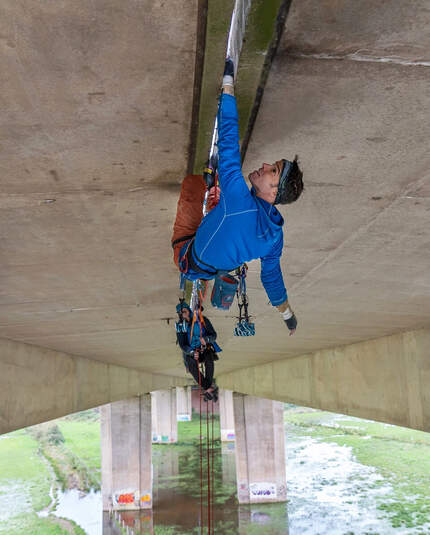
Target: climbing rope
212,464
208,467
201,452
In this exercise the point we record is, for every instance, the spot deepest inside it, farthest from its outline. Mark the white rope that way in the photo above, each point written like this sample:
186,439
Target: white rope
237,30
234,47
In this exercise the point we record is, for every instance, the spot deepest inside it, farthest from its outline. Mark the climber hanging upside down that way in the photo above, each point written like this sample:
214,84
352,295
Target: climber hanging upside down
245,224
197,339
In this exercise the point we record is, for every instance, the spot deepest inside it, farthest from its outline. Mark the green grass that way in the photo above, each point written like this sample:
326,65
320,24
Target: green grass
82,438
188,432
31,524
75,454
21,463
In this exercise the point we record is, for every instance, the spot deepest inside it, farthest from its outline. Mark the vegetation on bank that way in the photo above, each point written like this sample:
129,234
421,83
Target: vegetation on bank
68,445
68,449
401,455
72,447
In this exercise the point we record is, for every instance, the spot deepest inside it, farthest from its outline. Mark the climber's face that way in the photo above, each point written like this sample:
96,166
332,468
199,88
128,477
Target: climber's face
186,314
266,180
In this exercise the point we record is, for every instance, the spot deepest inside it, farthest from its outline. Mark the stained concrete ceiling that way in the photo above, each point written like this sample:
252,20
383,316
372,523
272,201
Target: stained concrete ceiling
95,125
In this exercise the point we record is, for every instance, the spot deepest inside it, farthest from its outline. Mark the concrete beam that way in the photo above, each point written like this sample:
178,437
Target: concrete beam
265,23
38,384
217,26
386,379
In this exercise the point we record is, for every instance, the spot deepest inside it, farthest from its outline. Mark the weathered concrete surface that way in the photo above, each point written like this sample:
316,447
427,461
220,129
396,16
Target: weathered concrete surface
126,454
184,409
226,415
38,384
164,416
390,29
89,93
260,450
385,379
96,111
261,33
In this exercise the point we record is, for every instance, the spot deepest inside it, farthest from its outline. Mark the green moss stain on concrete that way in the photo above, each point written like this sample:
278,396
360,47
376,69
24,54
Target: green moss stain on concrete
257,40
218,24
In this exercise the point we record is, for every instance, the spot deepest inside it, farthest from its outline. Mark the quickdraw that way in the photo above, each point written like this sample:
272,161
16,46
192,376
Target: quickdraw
244,327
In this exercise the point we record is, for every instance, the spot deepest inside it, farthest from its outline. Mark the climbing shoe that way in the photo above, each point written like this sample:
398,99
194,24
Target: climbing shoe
207,396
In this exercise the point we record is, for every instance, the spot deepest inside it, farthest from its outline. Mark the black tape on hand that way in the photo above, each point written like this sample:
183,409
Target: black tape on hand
291,323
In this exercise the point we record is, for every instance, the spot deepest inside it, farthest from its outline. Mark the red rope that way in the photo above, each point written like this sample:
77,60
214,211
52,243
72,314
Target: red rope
201,451
213,473
209,468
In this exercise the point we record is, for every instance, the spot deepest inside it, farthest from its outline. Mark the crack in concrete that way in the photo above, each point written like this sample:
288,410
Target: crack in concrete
356,56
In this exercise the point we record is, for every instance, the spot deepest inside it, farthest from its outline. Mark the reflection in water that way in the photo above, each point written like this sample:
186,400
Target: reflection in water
177,499
328,492
84,509
228,464
137,522
269,519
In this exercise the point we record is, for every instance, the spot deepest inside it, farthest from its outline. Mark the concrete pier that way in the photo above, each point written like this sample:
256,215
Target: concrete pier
183,404
260,450
226,415
126,454
164,419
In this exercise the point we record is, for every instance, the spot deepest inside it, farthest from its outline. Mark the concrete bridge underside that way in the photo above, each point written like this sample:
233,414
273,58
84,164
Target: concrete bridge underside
98,113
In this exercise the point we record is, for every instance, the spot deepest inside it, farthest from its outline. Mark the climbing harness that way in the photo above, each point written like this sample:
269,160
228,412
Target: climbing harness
243,326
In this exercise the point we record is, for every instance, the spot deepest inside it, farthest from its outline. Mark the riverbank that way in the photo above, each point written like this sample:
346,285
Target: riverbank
400,455
39,462
345,476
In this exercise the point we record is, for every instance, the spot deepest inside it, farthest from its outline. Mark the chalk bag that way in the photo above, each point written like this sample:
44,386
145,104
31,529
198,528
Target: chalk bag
223,291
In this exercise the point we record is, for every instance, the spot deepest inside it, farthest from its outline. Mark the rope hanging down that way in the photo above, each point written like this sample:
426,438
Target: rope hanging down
210,458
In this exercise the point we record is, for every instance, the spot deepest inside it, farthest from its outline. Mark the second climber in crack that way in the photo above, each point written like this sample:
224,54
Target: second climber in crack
245,224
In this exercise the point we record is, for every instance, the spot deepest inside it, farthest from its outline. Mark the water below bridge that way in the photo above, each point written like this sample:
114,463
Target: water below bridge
329,492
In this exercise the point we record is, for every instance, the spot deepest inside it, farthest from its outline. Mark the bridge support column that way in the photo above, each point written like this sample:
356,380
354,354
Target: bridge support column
126,454
226,415
183,404
164,419
260,449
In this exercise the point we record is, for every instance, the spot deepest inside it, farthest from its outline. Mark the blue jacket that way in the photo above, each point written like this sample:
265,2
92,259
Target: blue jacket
242,227
188,341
